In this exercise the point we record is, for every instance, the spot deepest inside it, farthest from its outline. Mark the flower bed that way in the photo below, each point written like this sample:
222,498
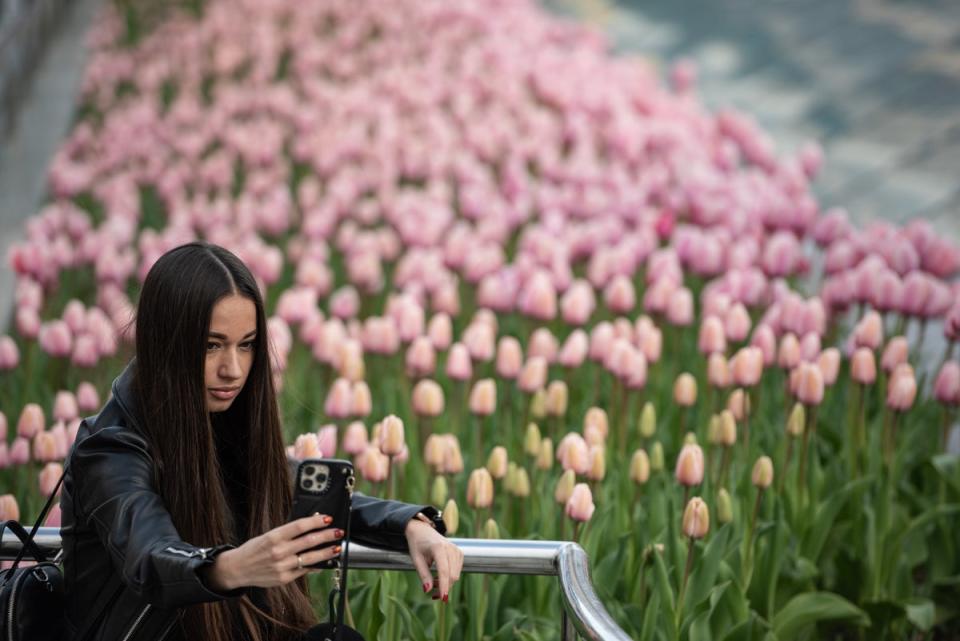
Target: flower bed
598,310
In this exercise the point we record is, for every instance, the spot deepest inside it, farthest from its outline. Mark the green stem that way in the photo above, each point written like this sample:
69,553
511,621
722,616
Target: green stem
683,585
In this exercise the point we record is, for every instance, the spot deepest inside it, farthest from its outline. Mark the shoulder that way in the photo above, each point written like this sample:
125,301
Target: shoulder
110,433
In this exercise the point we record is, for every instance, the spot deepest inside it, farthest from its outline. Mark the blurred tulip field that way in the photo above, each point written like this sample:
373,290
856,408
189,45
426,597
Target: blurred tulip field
536,284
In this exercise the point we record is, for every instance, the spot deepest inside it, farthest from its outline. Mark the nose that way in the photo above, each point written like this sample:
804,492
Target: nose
229,368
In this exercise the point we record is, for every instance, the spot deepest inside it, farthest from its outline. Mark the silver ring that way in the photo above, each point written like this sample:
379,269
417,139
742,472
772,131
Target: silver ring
299,562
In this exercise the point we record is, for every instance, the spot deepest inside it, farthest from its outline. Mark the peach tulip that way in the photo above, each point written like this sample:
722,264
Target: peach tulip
497,462
809,384
392,440
696,519
896,352
339,399
31,421
564,488
863,366
718,371
88,399
509,357
762,475
712,336
685,390
690,466
459,366
483,397
579,506
355,439
480,489
533,376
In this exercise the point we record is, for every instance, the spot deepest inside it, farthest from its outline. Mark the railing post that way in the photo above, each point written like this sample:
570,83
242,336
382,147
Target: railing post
568,632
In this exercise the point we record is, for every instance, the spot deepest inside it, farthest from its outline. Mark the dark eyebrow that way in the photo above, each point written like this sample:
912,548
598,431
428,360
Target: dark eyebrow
223,337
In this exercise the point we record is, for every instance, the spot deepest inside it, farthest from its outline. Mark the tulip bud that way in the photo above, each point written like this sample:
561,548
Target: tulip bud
696,519
427,398
531,440
9,509
439,490
724,506
459,366
545,455
564,488
480,489
521,483
31,421
685,390
490,530
718,371
690,438
48,477
640,467
863,366
533,376
497,462
538,404
373,464
797,421
451,516
598,417
483,397
689,469
739,404
87,397
509,357
355,438
728,429
809,384
946,388
579,506
762,472
656,457
556,398
897,351
598,463
648,420
65,406
392,441
713,430
902,389
452,456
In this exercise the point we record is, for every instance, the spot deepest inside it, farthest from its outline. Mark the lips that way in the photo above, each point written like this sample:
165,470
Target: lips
224,393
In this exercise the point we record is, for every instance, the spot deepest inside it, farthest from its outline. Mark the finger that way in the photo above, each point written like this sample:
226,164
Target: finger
443,574
456,561
312,539
300,526
423,570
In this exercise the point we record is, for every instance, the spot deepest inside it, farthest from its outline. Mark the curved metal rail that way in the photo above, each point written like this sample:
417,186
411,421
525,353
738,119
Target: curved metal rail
583,613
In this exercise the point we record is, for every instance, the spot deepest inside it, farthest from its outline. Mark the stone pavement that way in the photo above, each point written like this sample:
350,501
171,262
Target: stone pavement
877,82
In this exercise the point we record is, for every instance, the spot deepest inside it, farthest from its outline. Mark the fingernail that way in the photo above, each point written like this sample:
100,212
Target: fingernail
338,534
328,520
446,597
426,588
336,549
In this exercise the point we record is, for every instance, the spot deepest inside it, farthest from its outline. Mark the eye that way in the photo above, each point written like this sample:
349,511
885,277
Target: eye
212,345
249,345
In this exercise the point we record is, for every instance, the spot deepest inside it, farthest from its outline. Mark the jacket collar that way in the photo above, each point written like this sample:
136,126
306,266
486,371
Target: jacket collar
122,390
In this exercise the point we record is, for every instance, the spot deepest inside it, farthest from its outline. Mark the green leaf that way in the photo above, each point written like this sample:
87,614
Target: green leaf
650,618
412,626
704,575
946,465
806,609
665,590
920,612
815,537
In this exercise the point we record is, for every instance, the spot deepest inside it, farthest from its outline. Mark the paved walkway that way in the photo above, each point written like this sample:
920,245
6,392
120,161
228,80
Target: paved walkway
877,82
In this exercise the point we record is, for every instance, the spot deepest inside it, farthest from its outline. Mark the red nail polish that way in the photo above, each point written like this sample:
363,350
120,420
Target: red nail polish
328,520
338,534
446,597
426,588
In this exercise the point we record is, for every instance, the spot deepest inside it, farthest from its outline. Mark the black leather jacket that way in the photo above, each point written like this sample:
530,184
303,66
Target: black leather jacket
114,522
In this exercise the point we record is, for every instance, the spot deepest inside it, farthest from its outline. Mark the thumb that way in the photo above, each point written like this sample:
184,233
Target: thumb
423,570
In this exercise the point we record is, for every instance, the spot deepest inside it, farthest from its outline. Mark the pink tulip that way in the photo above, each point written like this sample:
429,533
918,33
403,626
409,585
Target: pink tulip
483,397
810,347
355,439
9,353
573,453
764,339
421,359
829,364
427,398
533,376
601,340
56,339
480,340
373,464
19,451
339,399
345,302
712,336
680,308
459,366
737,323
88,399
788,355
690,465
685,390
361,402
696,519
9,509
579,506
307,446
863,366
538,298
620,296
65,406
718,371
61,439
809,384
44,447
28,323
746,367
480,489
574,349
577,303
440,331
85,353
869,331
946,387
896,352
902,388
31,421
543,343
509,357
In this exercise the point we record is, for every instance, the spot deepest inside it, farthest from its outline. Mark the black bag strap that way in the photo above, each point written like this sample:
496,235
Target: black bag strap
25,541
28,544
109,592
340,580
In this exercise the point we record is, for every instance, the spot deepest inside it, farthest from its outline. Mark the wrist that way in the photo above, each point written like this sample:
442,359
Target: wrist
420,520
217,574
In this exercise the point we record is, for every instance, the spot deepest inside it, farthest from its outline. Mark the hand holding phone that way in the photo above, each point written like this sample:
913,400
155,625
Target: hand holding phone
324,486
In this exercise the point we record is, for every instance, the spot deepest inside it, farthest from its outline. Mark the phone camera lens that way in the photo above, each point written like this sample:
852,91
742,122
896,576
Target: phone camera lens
321,479
307,483
310,470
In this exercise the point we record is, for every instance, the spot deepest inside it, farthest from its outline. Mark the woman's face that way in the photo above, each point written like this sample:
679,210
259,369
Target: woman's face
230,349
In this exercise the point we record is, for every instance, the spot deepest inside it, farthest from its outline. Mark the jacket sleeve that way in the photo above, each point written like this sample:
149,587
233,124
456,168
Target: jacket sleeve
113,492
381,523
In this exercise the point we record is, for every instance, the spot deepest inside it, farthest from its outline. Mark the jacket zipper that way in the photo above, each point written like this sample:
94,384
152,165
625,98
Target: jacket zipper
166,631
13,600
136,623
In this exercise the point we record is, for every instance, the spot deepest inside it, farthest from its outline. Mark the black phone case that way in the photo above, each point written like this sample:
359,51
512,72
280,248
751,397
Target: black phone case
324,486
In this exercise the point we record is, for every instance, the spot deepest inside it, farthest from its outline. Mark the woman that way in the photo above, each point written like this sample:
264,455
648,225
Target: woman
177,493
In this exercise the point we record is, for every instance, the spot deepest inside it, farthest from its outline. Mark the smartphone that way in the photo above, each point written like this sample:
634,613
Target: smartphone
324,486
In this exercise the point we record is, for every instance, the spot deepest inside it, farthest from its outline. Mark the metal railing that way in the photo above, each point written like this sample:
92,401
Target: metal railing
583,613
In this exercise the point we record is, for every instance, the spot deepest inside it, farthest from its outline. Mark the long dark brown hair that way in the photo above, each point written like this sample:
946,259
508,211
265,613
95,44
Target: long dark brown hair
173,319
